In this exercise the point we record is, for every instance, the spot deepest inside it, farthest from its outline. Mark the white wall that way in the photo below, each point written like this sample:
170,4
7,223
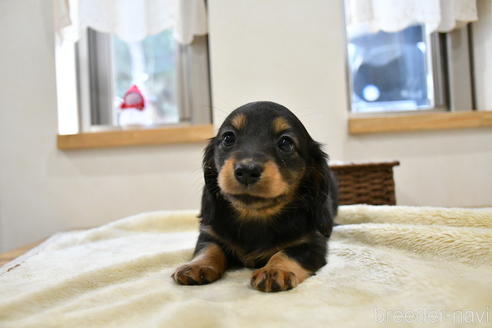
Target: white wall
288,51
44,190
292,52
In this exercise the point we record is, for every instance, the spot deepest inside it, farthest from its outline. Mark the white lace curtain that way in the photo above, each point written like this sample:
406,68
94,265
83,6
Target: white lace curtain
133,20
395,15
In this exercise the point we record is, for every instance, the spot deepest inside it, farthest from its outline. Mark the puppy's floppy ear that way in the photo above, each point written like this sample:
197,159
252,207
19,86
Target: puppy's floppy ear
210,189
209,169
320,185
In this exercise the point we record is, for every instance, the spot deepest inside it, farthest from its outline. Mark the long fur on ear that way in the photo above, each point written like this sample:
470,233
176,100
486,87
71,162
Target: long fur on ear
209,169
211,188
320,185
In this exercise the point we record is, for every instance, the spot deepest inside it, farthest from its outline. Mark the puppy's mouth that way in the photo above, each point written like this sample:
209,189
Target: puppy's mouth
268,184
258,203
266,196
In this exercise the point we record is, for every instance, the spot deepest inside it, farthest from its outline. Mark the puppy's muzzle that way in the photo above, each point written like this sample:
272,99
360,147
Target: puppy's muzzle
248,172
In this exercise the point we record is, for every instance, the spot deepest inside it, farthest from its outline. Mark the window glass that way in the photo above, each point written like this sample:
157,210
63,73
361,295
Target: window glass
151,66
390,71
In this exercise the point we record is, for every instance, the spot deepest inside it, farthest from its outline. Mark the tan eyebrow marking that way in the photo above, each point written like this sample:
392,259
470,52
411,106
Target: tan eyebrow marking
280,124
239,121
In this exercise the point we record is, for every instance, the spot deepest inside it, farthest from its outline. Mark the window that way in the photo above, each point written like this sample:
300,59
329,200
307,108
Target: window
155,74
393,71
408,70
172,80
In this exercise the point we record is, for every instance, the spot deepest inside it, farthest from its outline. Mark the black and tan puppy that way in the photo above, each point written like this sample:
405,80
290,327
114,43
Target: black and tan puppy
268,203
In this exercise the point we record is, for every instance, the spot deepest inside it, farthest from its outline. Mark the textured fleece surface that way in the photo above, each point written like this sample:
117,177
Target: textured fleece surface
387,267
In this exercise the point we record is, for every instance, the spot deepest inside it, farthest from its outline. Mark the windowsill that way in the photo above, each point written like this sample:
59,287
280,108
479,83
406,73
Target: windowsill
417,122
136,137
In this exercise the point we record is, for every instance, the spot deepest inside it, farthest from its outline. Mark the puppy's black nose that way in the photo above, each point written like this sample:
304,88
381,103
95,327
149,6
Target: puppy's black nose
248,173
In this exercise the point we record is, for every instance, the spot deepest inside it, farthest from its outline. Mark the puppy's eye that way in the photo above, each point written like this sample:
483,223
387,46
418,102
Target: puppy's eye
286,144
228,139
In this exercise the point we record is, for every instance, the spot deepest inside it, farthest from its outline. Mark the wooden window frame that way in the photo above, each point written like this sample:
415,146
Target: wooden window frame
358,124
136,137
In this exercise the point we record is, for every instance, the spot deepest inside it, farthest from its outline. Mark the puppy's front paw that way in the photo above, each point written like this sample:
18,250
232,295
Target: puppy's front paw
195,274
273,280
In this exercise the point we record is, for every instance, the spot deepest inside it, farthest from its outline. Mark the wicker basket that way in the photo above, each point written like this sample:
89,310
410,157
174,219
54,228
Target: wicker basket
366,183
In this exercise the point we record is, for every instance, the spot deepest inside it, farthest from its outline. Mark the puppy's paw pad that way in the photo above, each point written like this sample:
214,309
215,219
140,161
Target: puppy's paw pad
195,274
273,280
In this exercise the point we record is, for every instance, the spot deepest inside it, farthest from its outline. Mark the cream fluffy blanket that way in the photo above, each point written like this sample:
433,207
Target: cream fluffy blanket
387,267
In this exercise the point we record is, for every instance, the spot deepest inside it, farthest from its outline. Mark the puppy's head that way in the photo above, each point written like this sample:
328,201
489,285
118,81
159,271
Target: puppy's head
259,157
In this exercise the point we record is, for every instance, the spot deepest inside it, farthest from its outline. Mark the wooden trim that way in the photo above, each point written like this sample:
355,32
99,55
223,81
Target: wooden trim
418,122
15,253
134,137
